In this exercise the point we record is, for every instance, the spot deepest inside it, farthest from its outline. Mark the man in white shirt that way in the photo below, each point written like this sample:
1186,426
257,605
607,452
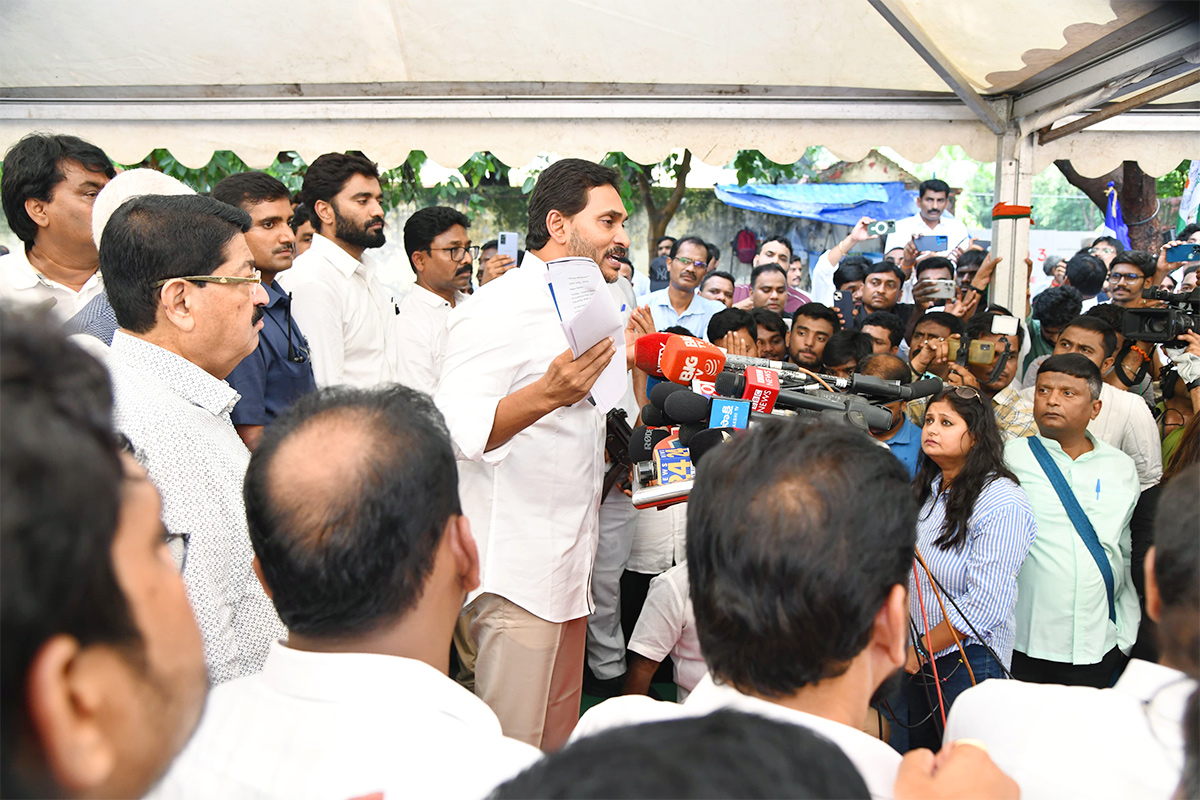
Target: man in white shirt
337,298
807,641
441,255
531,460
931,219
48,187
353,507
1127,741
189,310
678,303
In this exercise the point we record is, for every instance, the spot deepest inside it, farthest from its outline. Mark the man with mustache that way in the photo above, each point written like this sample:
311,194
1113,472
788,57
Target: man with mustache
336,294
278,372
678,303
442,257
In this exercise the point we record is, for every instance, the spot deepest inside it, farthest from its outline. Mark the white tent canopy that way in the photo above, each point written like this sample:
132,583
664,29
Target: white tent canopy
520,77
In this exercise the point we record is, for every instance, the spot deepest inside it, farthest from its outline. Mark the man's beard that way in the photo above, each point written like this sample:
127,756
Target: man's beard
579,247
345,229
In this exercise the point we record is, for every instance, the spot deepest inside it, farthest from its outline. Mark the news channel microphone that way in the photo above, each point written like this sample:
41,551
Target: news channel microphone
648,351
686,358
856,410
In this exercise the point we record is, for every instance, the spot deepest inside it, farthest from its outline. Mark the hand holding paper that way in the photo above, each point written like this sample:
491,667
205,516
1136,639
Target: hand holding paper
589,316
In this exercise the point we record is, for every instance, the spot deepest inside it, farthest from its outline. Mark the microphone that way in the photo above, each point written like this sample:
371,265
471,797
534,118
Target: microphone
856,410
653,417
660,393
758,385
689,429
687,407
742,362
643,441
648,352
685,359
877,387
706,440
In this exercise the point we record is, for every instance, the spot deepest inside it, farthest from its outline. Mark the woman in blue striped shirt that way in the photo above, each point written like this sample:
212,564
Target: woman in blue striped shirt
973,532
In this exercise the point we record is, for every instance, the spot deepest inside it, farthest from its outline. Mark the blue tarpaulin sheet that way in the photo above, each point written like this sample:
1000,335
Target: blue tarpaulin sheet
836,203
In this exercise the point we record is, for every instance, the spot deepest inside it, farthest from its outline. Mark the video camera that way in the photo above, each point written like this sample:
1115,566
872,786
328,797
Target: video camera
1164,325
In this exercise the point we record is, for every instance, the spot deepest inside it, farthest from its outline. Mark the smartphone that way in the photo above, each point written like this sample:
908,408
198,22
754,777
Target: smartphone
943,290
1183,252
984,243
844,302
979,352
882,227
506,245
931,244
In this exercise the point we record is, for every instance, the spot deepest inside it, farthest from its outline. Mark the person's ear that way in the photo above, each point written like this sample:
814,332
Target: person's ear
1096,404
1153,598
65,692
557,225
176,302
36,209
324,211
465,553
418,261
890,630
1107,365
258,573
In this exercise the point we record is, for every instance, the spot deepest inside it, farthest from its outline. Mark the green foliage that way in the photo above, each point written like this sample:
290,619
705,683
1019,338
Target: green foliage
288,168
1171,184
753,167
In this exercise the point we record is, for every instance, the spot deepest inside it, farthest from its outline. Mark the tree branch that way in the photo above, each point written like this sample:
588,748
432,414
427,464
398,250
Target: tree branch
681,174
1094,188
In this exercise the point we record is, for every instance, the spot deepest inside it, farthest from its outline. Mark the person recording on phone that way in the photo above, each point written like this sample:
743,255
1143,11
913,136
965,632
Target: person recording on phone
931,219
974,530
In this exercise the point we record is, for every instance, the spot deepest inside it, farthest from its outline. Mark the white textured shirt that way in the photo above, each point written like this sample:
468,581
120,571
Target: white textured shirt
331,726
954,231
176,415
874,759
667,627
534,501
1062,742
421,337
20,283
346,314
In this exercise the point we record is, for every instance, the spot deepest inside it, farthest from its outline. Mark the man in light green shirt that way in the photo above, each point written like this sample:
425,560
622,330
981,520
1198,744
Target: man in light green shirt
1064,633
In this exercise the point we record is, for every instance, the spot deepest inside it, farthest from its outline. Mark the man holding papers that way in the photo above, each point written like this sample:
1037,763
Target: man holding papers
530,448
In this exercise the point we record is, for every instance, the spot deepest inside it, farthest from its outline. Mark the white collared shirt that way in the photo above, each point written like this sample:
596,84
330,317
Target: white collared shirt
341,725
421,337
667,627
346,314
21,283
176,416
954,231
1075,741
874,759
534,501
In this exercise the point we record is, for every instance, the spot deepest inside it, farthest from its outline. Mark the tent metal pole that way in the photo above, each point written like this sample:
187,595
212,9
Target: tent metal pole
1010,237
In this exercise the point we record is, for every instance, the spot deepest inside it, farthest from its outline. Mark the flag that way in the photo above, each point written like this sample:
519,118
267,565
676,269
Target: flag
1114,220
1190,202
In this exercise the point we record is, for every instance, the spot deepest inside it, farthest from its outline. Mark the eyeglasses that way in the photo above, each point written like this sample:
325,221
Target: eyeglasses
687,262
963,393
255,277
1125,277
457,253
178,543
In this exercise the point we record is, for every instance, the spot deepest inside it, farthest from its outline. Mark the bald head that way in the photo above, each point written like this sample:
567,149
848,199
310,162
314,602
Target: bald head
347,498
885,366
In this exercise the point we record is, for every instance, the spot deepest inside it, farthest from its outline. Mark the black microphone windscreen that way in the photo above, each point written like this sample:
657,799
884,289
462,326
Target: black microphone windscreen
706,440
730,384
641,443
653,417
660,393
687,406
923,388
690,429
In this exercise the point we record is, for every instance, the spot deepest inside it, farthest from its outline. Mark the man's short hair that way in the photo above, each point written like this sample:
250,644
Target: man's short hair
1087,274
246,189
677,329
328,175
563,187
889,268
1116,243
768,319
781,240
713,250
762,268
489,244
730,320
946,320
1056,306
33,167
846,346
300,215
885,366
696,240
660,239
716,273
426,225
1075,365
818,311
1143,262
1111,313
1187,231
156,237
786,571
1101,327
724,754
981,324
61,482
887,320
850,269
936,262
352,555
1177,568
972,259
933,185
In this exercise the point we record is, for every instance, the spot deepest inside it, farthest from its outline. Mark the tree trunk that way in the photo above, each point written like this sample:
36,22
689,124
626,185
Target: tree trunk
658,218
1137,192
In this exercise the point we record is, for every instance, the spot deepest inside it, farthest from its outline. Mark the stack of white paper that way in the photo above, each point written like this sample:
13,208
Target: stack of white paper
589,314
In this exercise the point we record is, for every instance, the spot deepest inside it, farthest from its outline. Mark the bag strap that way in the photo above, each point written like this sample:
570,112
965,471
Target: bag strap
1083,526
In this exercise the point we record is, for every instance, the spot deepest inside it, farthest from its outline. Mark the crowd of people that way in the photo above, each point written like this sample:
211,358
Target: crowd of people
271,530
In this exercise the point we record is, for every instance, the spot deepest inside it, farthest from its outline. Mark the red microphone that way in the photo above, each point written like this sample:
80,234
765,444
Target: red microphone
762,389
647,352
685,359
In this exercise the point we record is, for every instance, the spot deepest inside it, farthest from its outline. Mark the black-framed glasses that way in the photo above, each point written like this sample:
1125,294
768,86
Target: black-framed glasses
255,277
178,543
1125,277
687,262
457,253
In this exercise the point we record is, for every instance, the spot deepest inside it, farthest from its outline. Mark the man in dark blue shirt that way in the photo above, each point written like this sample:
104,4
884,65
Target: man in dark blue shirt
903,438
279,371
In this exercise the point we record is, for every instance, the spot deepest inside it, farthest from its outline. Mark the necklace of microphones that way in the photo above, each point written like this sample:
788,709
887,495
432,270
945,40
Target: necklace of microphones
700,397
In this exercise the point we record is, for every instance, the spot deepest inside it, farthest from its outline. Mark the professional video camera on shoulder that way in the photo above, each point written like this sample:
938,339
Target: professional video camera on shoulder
1165,324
